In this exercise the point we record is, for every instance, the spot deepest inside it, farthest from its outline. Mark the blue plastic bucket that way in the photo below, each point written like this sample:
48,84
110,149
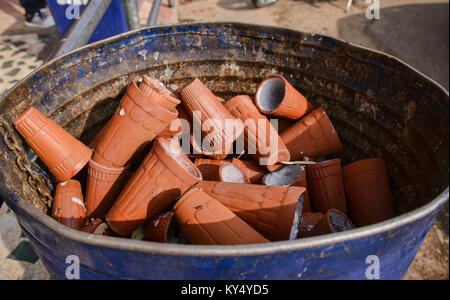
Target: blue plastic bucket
114,21
380,106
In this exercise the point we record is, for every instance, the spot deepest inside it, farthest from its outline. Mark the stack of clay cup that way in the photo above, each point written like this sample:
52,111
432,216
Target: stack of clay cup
141,183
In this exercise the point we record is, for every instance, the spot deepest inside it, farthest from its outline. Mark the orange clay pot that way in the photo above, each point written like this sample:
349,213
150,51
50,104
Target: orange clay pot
68,205
230,173
63,154
163,176
271,210
263,144
98,227
277,97
205,221
164,97
308,222
368,191
325,186
312,136
136,122
251,170
103,186
209,168
223,129
156,229
332,222
290,175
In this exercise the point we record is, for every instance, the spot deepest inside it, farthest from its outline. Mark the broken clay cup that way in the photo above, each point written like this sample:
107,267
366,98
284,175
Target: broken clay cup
277,97
325,186
157,228
368,191
230,173
68,204
313,136
136,122
250,169
333,221
219,128
165,174
63,154
271,210
205,221
262,141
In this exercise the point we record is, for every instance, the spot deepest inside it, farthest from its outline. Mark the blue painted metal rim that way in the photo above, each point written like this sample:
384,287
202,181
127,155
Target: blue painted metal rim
242,250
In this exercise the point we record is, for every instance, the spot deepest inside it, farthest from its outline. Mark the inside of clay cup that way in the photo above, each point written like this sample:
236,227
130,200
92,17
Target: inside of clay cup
285,177
271,94
173,149
230,173
338,222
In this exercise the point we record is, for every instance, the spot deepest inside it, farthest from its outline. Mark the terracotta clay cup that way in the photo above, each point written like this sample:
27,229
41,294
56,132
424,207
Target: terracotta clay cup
165,174
137,121
68,205
290,175
308,222
325,186
273,211
168,99
262,141
209,168
63,154
220,128
157,228
230,173
103,186
277,97
205,221
332,222
98,227
368,191
251,170
312,136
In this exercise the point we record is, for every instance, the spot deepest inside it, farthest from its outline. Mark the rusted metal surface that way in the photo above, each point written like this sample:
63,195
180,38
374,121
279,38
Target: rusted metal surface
380,107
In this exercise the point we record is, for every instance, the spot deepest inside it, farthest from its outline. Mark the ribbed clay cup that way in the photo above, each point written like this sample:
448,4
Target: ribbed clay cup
325,186
164,175
277,97
205,221
289,175
136,122
221,128
230,173
155,89
68,205
250,169
312,136
103,186
157,228
209,168
332,222
63,154
308,222
368,191
270,210
263,144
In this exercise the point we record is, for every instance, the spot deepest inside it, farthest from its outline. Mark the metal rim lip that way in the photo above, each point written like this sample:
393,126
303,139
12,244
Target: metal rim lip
243,250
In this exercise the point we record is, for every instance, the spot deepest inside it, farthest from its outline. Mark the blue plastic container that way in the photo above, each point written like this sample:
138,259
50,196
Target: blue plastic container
114,21
380,107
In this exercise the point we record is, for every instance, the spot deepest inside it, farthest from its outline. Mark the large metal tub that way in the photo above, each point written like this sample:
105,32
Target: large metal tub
379,105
